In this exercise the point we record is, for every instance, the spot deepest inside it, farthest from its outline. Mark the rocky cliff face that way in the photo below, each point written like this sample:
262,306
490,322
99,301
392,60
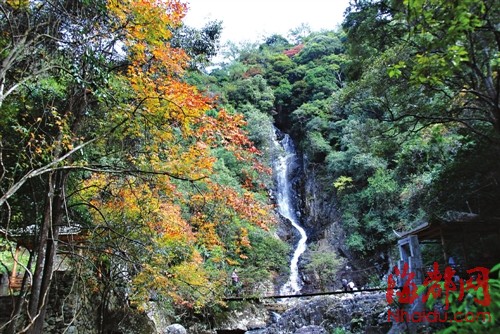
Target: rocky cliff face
322,220
318,205
320,216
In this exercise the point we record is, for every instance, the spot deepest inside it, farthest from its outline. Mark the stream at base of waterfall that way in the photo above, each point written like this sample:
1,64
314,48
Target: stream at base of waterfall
283,168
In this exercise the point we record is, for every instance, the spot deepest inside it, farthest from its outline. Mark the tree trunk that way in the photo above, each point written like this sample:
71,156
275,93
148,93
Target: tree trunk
46,251
19,301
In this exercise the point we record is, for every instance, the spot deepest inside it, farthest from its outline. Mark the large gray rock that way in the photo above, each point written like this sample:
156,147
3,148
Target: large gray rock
245,318
311,330
175,329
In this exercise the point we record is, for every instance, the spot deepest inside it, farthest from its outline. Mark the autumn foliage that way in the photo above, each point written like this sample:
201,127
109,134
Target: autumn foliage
107,123
175,130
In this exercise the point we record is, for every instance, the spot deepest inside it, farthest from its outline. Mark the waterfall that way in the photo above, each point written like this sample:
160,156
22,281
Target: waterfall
283,166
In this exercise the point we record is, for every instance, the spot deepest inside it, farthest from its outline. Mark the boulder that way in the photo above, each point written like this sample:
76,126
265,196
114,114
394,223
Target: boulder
174,329
311,330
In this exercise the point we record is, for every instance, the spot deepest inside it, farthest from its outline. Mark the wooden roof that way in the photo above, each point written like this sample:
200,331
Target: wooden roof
25,237
452,225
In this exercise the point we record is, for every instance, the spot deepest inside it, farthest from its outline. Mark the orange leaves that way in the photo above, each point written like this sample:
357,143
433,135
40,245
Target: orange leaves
242,243
132,202
223,219
147,20
206,234
155,67
187,284
227,130
141,212
166,109
222,204
167,112
169,136
170,226
147,26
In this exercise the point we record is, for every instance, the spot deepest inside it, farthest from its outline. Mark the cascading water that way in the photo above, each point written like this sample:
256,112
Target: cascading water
283,167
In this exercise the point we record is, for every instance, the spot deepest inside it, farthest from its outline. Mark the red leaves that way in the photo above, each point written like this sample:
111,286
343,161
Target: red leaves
293,51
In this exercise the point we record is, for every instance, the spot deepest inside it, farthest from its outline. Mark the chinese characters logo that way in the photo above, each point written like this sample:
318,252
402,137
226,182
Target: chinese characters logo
402,288
478,279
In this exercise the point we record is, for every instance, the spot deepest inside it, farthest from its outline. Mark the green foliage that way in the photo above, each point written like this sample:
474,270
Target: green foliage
466,306
200,44
320,45
253,90
342,183
317,146
444,28
370,31
7,250
394,111
340,330
356,241
466,184
267,258
275,42
165,184
283,92
324,263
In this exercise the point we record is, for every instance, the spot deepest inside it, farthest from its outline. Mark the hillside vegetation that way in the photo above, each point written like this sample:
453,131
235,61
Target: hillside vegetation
400,108
111,124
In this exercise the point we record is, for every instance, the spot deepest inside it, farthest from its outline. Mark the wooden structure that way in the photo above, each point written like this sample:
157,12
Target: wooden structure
466,232
25,240
460,236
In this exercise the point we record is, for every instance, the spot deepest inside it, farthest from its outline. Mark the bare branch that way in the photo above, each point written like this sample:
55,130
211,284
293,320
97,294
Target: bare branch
42,170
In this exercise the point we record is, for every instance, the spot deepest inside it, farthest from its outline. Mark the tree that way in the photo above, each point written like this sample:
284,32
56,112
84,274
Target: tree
95,102
43,116
452,53
370,30
200,44
324,263
431,79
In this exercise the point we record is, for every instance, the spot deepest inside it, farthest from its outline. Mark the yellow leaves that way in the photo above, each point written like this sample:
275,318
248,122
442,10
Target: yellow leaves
148,20
18,4
206,232
244,241
155,66
186,284
232,262
132,202
222,220
167,110
343,183
46,136
169,135
174,268
147,26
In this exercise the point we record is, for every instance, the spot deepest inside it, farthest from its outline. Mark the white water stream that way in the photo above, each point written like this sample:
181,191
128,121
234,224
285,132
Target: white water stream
284,165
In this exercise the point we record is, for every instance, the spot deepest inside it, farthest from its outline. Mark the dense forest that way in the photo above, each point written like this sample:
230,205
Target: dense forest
123,147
